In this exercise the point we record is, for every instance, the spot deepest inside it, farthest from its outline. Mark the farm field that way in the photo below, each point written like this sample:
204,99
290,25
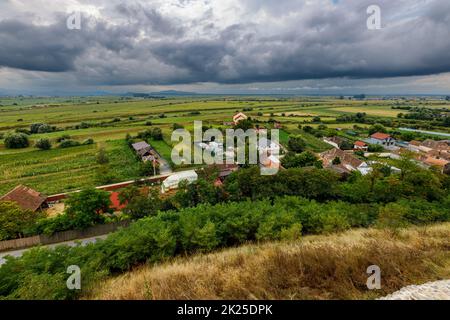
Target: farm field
61,170
107,120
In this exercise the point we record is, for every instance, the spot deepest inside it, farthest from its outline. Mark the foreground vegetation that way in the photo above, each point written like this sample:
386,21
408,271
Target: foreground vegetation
40,273
316,267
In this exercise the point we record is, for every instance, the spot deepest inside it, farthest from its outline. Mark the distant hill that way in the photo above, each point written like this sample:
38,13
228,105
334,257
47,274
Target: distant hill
159,94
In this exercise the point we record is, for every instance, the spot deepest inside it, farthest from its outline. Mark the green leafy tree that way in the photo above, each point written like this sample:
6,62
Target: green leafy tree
14,222
16,141
102,156
86,208
392,216
157,134
296,144
377,127
43,144
140,202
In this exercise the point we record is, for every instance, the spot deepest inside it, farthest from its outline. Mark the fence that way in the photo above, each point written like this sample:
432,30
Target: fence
63,236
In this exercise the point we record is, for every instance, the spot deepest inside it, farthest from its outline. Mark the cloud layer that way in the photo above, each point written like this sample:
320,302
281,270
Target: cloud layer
224,41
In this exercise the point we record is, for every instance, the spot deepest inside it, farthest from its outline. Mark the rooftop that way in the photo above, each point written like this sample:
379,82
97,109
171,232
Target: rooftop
380,136
26,198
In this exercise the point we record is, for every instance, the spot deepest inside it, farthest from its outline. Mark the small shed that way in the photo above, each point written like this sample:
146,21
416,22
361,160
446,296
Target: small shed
26,198
143,150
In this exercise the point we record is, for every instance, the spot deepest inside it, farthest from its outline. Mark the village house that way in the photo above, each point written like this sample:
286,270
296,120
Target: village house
347,161
26,198
433,162
238,117
436,145
144,151
360,145
383,139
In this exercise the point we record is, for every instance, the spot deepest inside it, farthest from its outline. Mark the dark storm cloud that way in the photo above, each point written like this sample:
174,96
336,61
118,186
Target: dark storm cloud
293,41
45,48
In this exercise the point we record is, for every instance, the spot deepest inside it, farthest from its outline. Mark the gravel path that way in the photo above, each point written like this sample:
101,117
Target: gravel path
439,290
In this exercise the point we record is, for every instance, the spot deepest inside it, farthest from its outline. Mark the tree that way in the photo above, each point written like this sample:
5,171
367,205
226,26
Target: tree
104,175
392,216
14,221
16,141
377,127
375,148
69,144
43,144
102,156
85,208
296,144
140,202
149,168
244,124
346,145
304,159
157,134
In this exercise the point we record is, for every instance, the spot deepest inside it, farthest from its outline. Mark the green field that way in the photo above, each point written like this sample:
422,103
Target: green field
108,119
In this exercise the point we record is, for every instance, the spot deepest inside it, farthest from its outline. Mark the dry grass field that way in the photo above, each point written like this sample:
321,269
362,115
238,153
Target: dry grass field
317,267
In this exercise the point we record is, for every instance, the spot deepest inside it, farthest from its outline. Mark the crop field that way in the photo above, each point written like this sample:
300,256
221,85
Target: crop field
60,170
107,120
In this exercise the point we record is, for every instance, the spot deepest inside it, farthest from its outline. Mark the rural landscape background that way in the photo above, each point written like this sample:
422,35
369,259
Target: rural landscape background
93,204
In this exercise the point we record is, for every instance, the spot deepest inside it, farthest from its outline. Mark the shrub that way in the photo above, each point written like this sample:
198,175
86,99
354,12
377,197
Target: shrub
16,141
88,141
69,144
43,144
102,157
63,137
14,222
296,144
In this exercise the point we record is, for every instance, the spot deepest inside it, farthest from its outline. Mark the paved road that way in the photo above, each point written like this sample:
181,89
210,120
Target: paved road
83,242
164,167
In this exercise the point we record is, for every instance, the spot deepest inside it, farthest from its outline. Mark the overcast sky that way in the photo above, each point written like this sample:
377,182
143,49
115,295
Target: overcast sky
225,46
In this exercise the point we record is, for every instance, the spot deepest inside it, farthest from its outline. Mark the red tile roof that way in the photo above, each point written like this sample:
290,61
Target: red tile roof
436,162
360,144
26,198
380,136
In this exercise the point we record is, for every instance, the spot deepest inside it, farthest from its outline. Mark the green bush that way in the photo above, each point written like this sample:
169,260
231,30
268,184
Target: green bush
43,144
69,144
16,141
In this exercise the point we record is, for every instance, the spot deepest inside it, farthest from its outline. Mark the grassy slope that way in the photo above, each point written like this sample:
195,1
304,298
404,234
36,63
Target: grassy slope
318,267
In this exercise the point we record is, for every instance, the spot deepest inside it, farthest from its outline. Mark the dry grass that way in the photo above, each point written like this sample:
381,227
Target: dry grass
318,267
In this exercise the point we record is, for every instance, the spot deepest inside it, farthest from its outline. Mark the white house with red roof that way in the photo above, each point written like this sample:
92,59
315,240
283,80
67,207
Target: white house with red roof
380,138
239,117
360,145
